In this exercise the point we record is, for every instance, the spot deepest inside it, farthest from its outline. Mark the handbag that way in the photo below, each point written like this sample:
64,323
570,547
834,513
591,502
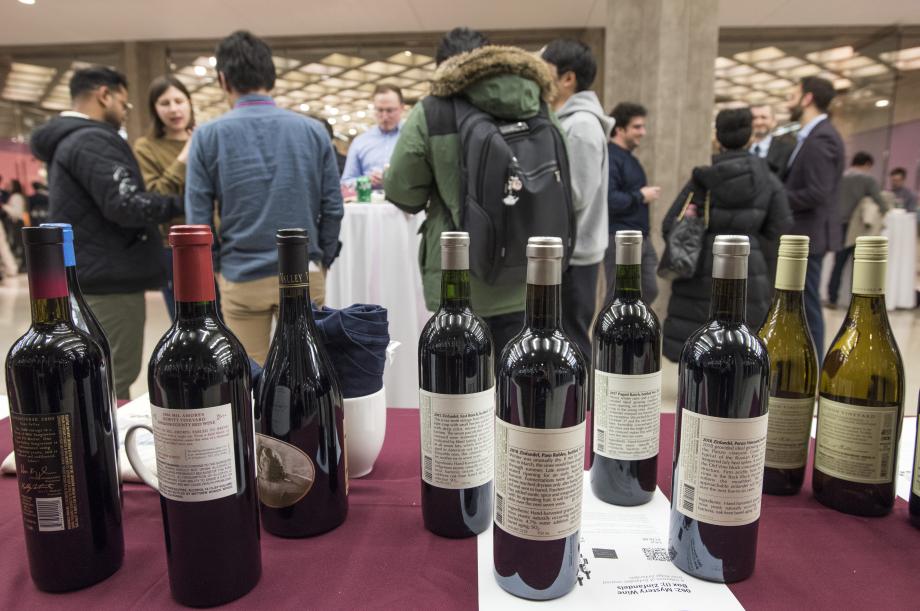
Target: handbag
684,243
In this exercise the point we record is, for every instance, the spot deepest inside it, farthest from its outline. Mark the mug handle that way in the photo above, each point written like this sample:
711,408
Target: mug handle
134,458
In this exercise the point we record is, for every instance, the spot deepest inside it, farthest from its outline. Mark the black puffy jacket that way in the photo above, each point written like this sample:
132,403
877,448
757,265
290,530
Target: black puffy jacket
746,199
94,184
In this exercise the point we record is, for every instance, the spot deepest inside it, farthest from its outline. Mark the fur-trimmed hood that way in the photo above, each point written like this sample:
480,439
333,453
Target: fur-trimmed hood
460,72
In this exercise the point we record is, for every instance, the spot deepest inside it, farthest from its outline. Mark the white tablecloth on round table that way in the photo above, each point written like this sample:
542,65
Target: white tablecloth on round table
379,264
901,280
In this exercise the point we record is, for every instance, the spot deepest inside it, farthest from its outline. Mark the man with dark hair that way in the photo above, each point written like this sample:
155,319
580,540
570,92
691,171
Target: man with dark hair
457,41
857,183
812,185
629,196
96,185
37,204
906,198
586,129
267,169
370,152
425,167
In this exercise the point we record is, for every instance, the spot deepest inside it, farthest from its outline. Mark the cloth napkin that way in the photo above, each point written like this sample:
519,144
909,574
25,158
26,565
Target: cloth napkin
356,339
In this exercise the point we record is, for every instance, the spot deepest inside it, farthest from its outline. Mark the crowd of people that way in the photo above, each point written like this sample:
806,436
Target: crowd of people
259,168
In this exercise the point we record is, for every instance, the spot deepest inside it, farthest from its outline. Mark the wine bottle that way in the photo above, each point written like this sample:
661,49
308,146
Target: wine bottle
300,417
861,397
61,414
914,501
720,431
456,404
200,403
793,372
626,386
539,441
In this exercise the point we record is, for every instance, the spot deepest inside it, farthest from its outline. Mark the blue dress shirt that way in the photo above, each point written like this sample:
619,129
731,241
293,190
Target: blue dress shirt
369,151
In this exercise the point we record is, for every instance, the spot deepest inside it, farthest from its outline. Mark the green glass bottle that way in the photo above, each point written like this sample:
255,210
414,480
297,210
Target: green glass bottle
793,372
861,399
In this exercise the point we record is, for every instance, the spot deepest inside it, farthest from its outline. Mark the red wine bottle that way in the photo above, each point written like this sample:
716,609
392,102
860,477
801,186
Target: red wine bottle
456,404
720,433
539,441
626,386
63,435
300,417
201,407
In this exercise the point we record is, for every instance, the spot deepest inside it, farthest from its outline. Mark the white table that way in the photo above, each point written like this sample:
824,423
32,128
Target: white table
901,279
379,264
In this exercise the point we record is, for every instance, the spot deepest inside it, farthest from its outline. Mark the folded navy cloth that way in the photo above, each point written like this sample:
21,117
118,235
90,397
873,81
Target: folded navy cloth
356,339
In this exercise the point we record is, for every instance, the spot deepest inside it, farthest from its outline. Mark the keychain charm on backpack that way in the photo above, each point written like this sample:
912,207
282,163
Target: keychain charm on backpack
513,185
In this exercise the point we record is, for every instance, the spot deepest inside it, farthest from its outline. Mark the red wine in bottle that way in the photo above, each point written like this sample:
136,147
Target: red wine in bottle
200,401
63,435
721,431
300,417
626,385
456,404
539,441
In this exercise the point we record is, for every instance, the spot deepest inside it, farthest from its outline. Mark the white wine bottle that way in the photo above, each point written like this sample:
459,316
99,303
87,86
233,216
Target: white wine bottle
861,399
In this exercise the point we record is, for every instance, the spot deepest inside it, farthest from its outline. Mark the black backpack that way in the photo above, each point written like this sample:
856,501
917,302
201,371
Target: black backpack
514,184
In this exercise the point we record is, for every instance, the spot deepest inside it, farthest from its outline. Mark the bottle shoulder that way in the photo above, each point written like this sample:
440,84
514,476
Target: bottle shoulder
50,345
627,320
542,351
857,358
718,346
450,330
199,344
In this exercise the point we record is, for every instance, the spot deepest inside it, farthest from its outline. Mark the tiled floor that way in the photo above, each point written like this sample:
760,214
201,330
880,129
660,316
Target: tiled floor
14,320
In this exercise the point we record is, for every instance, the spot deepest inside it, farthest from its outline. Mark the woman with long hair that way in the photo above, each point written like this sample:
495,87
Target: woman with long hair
163,153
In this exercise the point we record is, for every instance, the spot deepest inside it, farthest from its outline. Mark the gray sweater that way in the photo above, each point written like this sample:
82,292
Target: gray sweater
587,129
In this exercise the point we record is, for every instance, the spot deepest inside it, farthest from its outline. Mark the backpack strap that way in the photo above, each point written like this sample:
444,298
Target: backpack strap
439,115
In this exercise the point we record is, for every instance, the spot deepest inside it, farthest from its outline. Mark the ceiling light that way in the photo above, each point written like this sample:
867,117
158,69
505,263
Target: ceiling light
305,107
881,103
830,55
759,55
360,114
407,53
332,110
352,132
346,118
27,2
331,120
212,61
200,70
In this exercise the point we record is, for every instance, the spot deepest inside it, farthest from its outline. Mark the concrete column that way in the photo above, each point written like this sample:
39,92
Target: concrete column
661,54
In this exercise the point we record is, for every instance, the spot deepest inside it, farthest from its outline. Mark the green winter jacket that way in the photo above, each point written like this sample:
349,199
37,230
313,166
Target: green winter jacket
424,172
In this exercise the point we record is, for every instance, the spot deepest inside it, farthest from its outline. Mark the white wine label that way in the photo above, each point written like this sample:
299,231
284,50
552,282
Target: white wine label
856,443
286,474
457,438
720,468
538,480
627,415
195,457
915,483
789,432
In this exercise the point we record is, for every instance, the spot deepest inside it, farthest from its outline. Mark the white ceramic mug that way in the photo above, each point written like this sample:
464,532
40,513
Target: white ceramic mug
365,430
134,457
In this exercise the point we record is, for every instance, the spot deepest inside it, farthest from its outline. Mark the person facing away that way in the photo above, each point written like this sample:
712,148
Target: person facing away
812,186
267,168
506,82
37,204
904,197
370,152
629,196
587,129
95,184
775,150
857,183
162,156
745,198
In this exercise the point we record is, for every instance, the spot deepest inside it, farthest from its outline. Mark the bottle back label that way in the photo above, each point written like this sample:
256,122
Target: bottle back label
627,415
788,432
195,453
538,480
915,482
286,474
856,443
720,468
457,434
45,469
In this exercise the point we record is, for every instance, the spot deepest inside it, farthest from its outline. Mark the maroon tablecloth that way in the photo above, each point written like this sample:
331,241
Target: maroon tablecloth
382,557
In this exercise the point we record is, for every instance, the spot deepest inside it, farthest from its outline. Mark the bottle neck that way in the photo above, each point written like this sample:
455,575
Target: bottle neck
48,288
728,300
294,305
455,289
73,283
628,282
51,311
193,282
542,309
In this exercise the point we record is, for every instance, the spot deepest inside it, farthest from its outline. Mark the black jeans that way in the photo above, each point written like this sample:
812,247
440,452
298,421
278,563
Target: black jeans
579,298
840,263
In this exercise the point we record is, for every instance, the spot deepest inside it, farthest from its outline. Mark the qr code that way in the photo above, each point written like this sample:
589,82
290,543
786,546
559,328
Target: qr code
656,553
689,494
499,509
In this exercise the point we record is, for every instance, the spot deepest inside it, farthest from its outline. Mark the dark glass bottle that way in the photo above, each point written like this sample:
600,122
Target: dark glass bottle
720,431
539,437
200,398
300,417
793,372
861,397
456,404
57,381
626,386
914,501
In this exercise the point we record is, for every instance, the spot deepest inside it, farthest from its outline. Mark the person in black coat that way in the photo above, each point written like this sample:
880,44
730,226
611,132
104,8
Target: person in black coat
812,186
96,185
745,199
